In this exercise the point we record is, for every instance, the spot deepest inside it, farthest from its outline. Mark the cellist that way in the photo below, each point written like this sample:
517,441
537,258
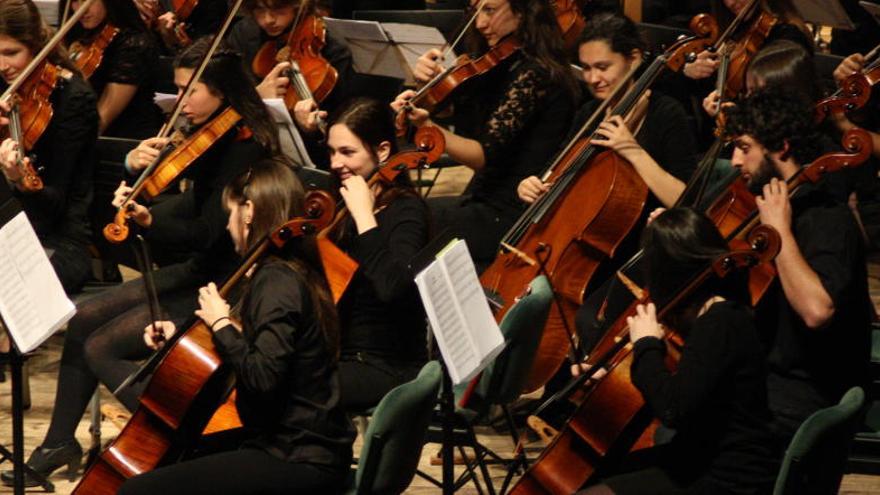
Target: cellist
282,341
126,77
64,152
716,400
815,319
104,339
508,123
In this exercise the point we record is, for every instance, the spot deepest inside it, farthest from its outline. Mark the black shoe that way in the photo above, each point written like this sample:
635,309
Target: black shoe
46,461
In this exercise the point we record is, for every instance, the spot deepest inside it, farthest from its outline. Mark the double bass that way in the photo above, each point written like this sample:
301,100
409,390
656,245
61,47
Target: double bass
568,233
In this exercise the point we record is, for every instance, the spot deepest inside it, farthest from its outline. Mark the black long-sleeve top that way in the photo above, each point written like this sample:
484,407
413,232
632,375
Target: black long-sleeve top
64,157
716,400
131,58
286,375
195,221
381,314
519,115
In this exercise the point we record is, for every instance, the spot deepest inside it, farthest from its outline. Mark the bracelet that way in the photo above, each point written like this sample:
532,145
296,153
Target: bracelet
218,320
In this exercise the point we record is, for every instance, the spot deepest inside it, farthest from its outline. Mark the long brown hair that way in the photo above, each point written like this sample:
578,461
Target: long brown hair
21,21
225,77
277,196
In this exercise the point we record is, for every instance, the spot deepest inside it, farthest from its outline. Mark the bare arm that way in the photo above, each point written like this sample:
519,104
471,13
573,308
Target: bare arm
113,100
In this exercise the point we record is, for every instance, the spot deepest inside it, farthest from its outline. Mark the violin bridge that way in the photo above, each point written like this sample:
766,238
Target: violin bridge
519,254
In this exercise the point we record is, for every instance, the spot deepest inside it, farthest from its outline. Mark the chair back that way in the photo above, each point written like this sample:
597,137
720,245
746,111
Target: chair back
393,440
815,459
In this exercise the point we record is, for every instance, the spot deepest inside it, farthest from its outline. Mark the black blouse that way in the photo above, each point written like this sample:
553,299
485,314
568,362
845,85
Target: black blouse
64,157
287,378
381,314
519,115
716,400
131,58
195,221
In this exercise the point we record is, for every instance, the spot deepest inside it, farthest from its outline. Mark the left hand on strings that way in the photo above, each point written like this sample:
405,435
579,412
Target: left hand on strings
774,206
614,134
212,307
307,114
9,160
644,323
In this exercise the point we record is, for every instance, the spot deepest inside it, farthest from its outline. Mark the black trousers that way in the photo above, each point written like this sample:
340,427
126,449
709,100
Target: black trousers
71,261
364,381
246,471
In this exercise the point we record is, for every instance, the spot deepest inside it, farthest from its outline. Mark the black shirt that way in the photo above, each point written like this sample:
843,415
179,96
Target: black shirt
194,221
812,368
716,400
519,115
380,313
131,58
64,155
287,378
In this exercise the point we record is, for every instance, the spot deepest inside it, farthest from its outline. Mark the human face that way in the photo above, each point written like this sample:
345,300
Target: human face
201,103
239,223
602,68
735,6
754,162
94,16
14,57
274,20
348,154
495,20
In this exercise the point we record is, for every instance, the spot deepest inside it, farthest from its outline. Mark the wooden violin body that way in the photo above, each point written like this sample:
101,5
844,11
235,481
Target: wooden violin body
88,58
571,21
188,386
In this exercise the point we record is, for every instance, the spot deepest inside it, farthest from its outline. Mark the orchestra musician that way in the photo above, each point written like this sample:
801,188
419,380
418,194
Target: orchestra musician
282,341
64,152
126,77
815,319
508,123
381,315
716,400
204,19
104,338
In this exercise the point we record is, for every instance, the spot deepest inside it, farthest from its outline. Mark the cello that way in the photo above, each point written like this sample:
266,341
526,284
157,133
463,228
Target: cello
189,380
570,232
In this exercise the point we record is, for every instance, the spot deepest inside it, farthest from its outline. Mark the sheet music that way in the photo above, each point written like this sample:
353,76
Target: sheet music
32,301
460,317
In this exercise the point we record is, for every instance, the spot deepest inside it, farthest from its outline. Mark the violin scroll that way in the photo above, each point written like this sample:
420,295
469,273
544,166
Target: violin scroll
320,209
117,231
855,91
763,245
430,145
706,30
857,147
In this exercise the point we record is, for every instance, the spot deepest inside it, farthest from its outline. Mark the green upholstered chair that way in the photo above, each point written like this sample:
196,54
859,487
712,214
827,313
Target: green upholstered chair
815,459
394,438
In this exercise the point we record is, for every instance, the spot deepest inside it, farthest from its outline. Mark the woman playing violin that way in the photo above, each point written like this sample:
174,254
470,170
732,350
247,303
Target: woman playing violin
270,21
383,326
103,340
282,341
125,78
175,31
63,154
663,153
716,400
508,123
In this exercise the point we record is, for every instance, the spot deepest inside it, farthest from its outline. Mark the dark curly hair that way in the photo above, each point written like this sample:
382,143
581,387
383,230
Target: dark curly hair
773,117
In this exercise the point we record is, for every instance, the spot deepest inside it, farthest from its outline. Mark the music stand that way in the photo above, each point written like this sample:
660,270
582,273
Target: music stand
825,13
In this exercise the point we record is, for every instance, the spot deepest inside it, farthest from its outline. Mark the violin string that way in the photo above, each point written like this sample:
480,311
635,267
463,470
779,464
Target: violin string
464,30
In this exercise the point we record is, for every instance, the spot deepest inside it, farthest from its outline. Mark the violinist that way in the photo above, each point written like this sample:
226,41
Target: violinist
126,76
64,152
204,19
381,316
508,123
271,21
104,339
716,400
855,64
282,341
815,319
663,151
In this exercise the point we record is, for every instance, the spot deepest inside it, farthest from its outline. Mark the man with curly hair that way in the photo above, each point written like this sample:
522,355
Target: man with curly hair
816,317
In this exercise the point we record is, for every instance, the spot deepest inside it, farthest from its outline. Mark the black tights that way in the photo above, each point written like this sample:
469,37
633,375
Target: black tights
105,339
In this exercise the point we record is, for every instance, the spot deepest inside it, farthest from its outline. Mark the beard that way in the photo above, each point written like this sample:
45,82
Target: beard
762,176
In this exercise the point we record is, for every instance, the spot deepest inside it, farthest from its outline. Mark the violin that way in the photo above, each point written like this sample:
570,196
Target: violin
173,412
853,93
182,9
571,21
29,97
88,57
311,75
338,266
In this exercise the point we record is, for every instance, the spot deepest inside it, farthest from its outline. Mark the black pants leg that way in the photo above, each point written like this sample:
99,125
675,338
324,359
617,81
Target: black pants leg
363,383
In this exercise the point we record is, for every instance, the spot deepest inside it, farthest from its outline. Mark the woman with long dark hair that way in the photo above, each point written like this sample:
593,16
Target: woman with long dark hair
383,324
282,341
508,122
63,154
103,341
125,78
716,400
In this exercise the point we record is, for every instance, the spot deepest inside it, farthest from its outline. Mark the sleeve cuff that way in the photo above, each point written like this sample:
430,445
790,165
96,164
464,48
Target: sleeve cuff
646,344
227,339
